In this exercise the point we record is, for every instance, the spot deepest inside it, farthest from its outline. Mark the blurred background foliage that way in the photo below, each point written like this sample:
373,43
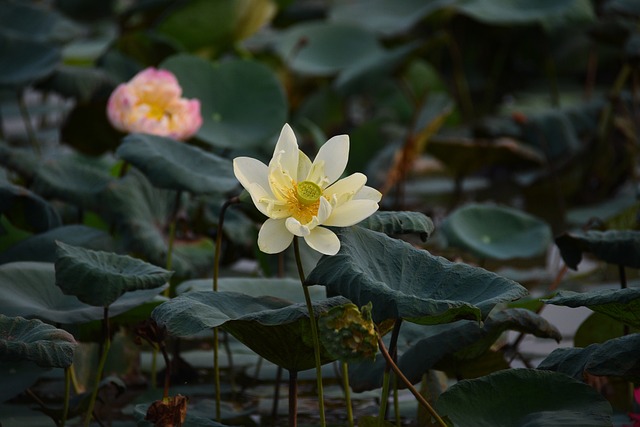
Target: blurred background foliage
527,103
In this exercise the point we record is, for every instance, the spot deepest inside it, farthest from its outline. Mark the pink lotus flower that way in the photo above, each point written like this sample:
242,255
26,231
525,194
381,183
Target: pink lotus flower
151,103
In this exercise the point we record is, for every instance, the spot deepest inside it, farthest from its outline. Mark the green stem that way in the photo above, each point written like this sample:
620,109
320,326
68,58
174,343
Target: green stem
347,392
216,272
314,332
293,398
26,118
101,363
67,393
154,366
421,400
623,285
172,236
396,402
384,399
167,372
216,373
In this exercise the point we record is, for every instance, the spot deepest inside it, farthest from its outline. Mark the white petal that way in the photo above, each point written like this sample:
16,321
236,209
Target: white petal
274,237
249,170
323,241
368,193
346,188
335,154
295,227
324,211
286,152
351,213
304,166
260,198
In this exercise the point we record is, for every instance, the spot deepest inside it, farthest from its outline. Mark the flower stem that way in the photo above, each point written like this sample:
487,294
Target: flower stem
172,236
101,363
347,392
314,332
384,399
421,400
216,272
67,393
293,398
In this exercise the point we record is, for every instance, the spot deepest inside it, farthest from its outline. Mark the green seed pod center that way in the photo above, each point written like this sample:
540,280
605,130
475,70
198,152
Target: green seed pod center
308,192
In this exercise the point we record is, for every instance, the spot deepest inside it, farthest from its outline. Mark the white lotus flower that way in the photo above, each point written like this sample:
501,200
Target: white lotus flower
299,196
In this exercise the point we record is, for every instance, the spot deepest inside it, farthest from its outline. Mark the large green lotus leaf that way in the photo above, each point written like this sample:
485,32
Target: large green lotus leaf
72,179
24,61
385,17
99,278
42,247
26,20
232,94
389,222
549,13
617,357
404,282
272,327
598,328
20,160
464,156
203,24
26,209
28,289
46,345
322,48
524,398
620,304
175,165
18,376
141,213
450,346
620,247
498,232
285,288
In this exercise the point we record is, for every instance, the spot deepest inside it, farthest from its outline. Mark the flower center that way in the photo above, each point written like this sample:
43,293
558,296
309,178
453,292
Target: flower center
308,192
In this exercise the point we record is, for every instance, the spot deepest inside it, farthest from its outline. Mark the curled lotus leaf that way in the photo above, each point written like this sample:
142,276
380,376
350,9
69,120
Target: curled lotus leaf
390,222
404,282
100,278
617,357
46,345
29,290
620,304
620,247
275,328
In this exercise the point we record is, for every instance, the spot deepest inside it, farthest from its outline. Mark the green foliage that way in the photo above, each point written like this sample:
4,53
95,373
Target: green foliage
274,328
620,247
170,164
403,282
497,232
29,290
232,94
33,340
99,278
543,399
